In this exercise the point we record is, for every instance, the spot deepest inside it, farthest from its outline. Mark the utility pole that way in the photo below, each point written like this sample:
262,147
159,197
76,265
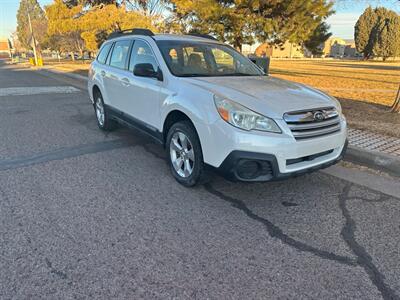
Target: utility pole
33,39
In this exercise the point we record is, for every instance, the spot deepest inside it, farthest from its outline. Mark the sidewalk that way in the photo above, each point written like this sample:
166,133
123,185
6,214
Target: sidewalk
366,148
373,150
374,142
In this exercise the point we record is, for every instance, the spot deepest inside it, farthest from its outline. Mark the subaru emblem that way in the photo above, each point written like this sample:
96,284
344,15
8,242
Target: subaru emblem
319,116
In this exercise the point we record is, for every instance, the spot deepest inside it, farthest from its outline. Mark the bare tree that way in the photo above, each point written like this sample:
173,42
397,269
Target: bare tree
148,7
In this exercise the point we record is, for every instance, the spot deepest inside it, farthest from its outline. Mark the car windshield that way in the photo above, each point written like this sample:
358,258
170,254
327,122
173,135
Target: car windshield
202,59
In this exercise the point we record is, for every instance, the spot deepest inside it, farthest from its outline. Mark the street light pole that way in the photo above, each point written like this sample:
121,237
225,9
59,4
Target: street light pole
33,39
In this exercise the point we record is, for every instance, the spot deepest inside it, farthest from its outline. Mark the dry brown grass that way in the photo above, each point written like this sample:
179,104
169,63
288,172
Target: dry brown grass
365,89
373,82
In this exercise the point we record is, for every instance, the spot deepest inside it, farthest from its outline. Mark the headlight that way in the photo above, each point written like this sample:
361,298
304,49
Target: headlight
338,106
242,117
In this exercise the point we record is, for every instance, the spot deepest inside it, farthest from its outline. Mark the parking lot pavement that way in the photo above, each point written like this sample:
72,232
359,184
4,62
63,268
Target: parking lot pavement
85,214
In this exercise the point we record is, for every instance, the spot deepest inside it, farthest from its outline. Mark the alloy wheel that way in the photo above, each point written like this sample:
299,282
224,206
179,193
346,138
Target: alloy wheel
182,154
100,111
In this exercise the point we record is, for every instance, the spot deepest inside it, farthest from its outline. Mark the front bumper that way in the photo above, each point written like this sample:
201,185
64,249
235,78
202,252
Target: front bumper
250,166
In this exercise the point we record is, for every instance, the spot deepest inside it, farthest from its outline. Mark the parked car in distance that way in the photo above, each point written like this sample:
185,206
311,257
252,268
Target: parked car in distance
69,56
211,106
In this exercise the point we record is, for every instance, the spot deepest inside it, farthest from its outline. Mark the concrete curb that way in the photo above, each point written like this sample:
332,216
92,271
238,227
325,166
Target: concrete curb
374,160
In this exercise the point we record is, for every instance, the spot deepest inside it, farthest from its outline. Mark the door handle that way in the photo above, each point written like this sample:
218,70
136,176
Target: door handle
103,73
125,81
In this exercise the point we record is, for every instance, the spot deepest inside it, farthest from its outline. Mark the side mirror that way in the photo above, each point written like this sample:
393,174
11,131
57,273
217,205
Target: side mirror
147,70
261,62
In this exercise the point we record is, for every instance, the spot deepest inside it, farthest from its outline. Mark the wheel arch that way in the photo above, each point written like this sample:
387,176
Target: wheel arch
173,117
95,90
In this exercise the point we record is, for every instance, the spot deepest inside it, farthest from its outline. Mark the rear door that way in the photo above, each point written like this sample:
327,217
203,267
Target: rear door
116,77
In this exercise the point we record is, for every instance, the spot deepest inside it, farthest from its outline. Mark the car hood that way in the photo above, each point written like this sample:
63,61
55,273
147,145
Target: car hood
265,94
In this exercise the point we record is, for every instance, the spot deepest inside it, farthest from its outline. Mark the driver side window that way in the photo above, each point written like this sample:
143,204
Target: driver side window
142,54
223,59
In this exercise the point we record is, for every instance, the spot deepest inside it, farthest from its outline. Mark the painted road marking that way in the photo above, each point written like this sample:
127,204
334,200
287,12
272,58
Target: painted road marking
37,90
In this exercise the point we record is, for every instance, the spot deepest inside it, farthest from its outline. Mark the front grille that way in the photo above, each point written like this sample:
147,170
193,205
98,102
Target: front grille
314,123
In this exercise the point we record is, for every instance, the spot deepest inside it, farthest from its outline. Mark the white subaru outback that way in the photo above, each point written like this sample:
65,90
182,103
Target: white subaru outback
210,105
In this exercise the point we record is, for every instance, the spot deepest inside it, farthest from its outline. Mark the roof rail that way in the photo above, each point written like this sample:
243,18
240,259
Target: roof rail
133,31
205,36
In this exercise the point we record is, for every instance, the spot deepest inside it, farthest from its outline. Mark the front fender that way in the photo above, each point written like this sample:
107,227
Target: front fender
200,109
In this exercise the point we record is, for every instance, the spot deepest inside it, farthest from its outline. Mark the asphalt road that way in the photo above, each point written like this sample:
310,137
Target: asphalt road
88,215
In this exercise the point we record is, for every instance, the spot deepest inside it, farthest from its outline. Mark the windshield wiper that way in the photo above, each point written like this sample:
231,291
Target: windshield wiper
238,74
195,75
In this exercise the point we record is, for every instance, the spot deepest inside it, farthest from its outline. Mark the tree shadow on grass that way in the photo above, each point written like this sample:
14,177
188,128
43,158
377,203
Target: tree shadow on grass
370,116
309,74
360,66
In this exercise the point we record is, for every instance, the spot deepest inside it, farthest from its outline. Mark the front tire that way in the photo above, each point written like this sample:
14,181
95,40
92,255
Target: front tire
184,153
103,120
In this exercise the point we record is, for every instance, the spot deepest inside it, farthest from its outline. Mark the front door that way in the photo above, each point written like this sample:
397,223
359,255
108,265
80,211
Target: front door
143,99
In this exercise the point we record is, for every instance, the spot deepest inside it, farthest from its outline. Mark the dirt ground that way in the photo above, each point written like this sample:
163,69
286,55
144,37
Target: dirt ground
365,89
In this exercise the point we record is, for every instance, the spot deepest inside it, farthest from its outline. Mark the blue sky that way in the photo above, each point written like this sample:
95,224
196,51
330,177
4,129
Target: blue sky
8,12
347,13
342,23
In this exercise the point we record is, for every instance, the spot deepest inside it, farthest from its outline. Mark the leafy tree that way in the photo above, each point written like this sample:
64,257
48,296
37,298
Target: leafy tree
63,29
377,33
37,19
73,32
386,33
363,32
241,22
98,24
319,36
289,20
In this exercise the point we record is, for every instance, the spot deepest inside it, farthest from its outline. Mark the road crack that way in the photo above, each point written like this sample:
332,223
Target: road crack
363,258
275,232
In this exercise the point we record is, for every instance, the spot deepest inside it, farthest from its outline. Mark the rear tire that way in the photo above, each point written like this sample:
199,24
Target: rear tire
184,153
102,116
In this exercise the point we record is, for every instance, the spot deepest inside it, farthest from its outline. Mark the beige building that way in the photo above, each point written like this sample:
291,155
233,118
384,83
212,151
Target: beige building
288,50
337,47
333,47
5,49
336,43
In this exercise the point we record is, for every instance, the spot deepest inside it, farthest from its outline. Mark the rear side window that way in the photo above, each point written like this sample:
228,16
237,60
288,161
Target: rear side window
120,54
101,58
